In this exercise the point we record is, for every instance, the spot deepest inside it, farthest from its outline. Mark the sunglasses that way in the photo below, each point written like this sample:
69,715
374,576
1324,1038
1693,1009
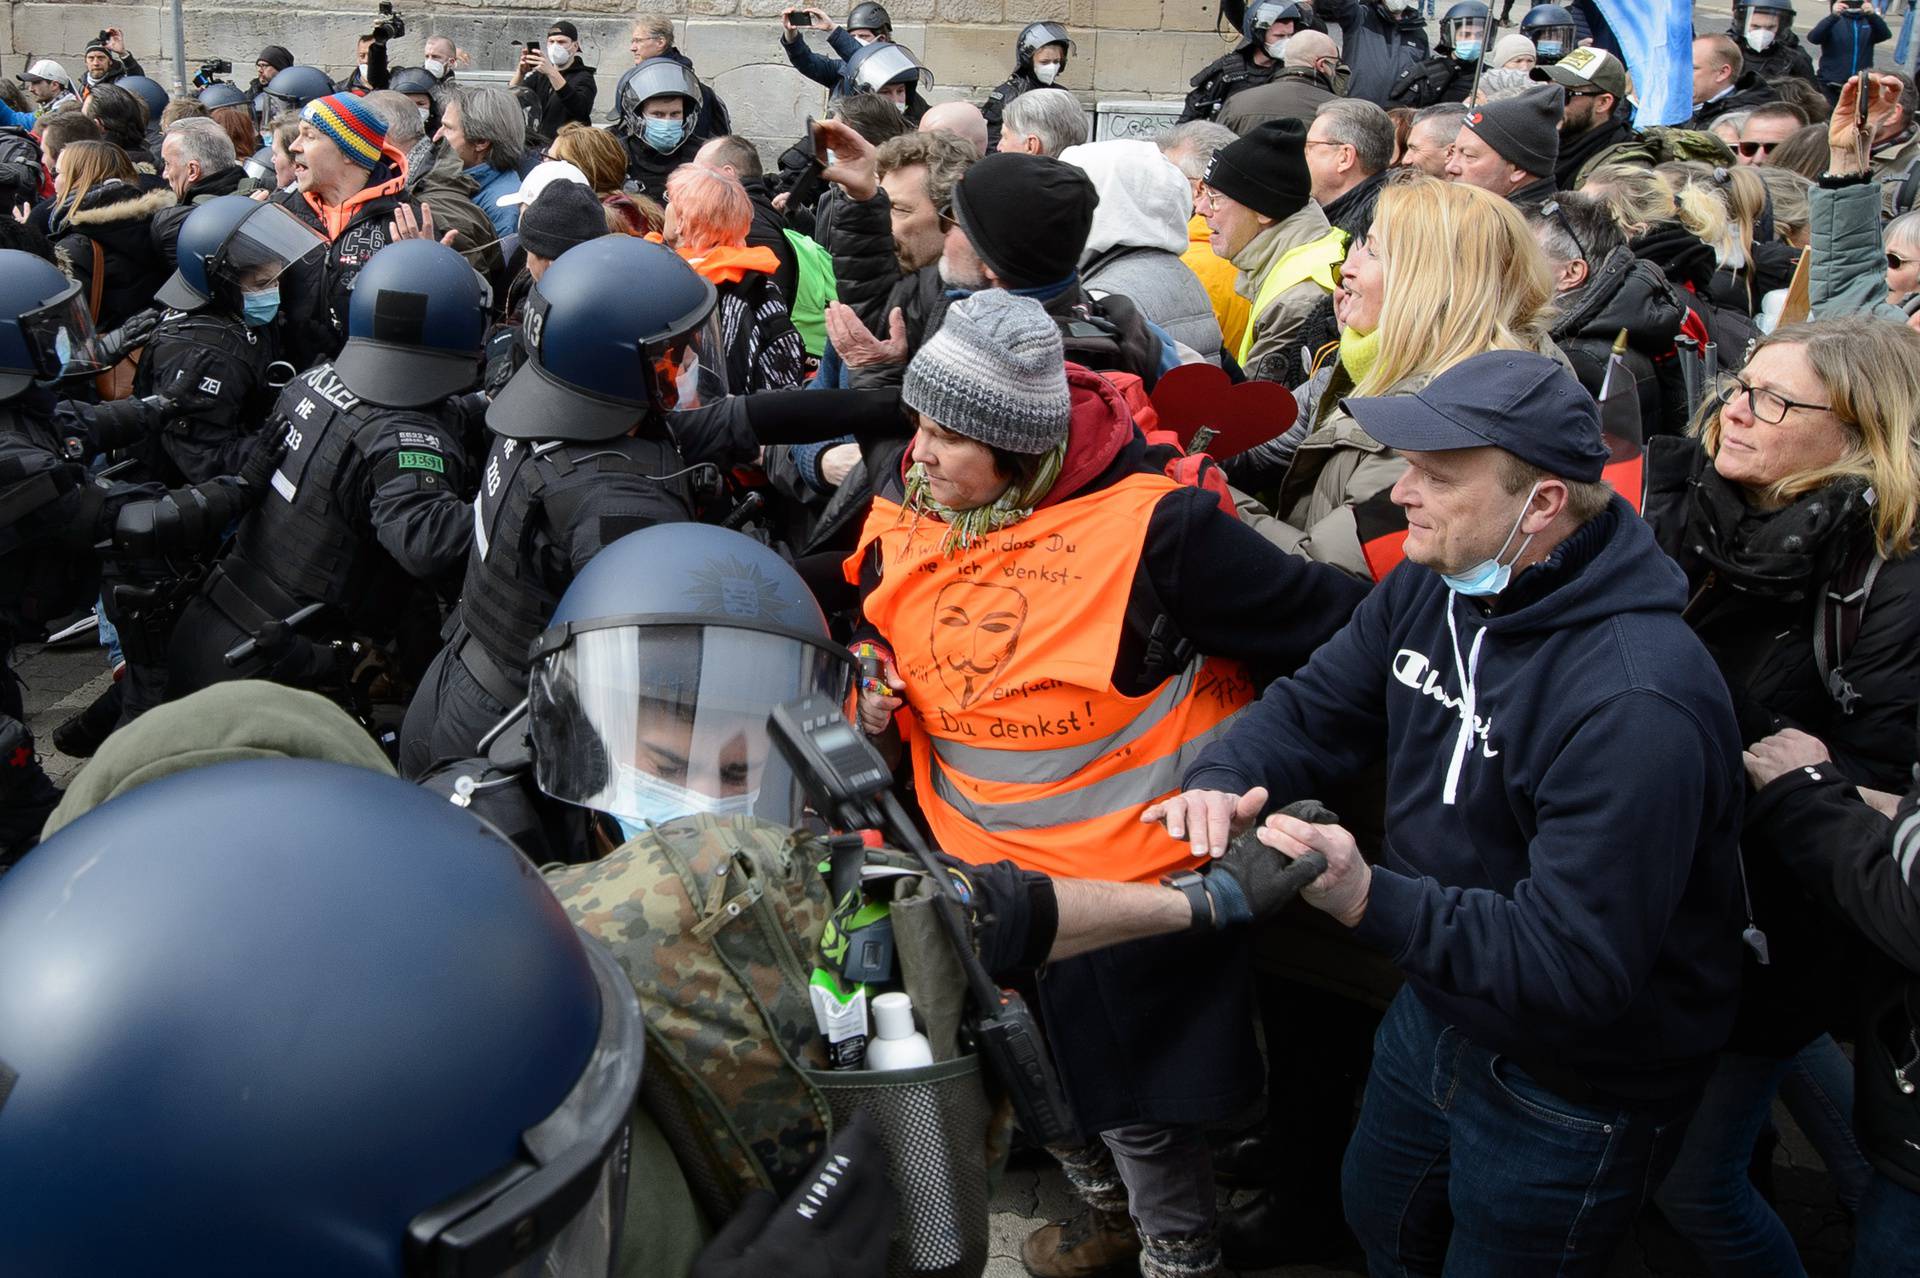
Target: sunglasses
1553,210
1895,262
1751,149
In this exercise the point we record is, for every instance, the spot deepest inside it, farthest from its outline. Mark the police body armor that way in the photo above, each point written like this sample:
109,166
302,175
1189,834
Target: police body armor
47,565
1220,80
507,603
228,362
300,539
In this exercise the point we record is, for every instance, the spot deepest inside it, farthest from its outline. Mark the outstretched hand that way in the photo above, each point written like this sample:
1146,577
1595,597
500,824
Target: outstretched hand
1207,819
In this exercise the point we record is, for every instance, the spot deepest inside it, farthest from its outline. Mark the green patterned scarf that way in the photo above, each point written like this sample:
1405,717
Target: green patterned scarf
965,527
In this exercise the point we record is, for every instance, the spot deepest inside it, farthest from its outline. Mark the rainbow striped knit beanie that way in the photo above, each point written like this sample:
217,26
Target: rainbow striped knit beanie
354,127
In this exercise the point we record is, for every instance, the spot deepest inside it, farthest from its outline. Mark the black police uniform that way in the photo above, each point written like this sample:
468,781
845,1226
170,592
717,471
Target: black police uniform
367,501
317,295
1220,79
224,363
995,107
1440,78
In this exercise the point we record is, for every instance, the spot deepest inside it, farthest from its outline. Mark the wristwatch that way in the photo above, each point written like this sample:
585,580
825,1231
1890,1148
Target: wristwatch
1193,885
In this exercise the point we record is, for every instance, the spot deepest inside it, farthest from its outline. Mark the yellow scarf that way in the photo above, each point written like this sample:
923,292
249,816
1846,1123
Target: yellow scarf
1358,351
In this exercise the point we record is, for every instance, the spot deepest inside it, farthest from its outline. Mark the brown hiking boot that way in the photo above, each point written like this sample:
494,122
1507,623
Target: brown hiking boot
1092,1244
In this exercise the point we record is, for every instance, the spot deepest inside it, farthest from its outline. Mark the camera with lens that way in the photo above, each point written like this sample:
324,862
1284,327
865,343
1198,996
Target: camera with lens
390,25
210,72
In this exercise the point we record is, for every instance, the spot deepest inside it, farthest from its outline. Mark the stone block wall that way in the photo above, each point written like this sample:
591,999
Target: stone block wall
1126,48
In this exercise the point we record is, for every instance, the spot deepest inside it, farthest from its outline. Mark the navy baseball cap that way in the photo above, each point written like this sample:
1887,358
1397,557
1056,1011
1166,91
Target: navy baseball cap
1519,401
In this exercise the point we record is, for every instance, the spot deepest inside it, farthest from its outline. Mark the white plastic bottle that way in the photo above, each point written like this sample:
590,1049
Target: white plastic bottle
896,1044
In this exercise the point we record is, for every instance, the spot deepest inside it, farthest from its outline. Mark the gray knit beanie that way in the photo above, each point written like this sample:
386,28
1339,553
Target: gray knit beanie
996,373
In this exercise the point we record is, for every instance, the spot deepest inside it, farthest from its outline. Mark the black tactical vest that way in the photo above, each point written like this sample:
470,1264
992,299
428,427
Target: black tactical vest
47,566
601,491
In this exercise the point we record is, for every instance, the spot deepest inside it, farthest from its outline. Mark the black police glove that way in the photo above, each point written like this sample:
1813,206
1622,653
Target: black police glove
835,1225
1253,882
185,521
110,348
256,472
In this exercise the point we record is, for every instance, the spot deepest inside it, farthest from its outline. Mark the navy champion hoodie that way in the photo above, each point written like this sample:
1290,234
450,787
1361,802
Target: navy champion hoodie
1564,788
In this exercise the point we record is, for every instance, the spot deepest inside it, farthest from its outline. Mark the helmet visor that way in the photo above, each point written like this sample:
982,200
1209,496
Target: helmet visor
650,723
1559,36
691,369
886,64
1464,29
269,242
1265,14
61,336
569,1188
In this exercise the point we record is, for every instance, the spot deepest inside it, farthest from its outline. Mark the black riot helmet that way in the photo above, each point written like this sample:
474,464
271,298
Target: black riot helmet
617,330
1464,25
1261,16
871,17
1780,10
44,322
305,1055
416,326
231,246
1552,30
1036,36
658,78
879,64
291,89
649,692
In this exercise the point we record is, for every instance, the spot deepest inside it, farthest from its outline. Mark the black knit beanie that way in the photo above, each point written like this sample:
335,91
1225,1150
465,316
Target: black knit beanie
1266,170
565,214
1028,216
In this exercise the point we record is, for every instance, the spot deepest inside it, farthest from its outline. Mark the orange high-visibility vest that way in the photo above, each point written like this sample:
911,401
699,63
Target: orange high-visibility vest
1022,748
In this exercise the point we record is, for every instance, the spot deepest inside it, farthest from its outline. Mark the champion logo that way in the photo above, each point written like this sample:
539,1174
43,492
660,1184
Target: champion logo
1415,671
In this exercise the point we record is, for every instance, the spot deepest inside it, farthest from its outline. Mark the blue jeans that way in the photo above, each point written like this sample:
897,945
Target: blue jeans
1886,1233
1462,1163
1707,1196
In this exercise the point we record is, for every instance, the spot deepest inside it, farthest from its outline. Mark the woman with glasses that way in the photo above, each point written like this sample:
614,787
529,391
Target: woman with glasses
1793,513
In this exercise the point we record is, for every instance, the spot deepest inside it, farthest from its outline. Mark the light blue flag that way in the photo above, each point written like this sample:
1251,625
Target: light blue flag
1656,43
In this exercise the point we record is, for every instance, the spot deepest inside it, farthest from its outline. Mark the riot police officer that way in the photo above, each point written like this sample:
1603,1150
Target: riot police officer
661,124
1768,46
301,1053
1040,55
1264,33
370,498
54,513
889,70
1448,75
217,333
619,335
1553,31
290,90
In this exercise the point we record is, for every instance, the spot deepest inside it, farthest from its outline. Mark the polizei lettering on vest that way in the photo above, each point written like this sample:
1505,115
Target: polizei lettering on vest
1415,671
326,384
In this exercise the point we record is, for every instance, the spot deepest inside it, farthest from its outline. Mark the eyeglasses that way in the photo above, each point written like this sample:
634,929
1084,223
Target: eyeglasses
1896,263
1768,406
1751,149
1553,210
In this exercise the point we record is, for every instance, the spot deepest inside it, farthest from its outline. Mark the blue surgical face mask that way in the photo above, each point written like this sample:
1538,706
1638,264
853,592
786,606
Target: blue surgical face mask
1548,48
1490,576
1467,51
655,802
258,309
664,135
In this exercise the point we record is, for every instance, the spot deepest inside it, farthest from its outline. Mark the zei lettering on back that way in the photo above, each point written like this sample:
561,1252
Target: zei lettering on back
1415,671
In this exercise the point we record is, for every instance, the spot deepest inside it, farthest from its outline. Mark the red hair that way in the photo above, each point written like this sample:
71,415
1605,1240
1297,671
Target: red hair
710,209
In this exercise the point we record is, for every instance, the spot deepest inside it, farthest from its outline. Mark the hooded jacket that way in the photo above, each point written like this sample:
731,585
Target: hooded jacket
119,218
1564,789
1139,232
1625,292
315,296
1378,45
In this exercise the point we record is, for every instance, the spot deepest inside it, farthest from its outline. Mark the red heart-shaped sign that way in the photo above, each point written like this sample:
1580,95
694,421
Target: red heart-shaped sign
1193,396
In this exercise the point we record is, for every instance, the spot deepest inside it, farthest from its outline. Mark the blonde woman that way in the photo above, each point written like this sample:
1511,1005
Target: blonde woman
1445,272
102,220
1802,485
1750,265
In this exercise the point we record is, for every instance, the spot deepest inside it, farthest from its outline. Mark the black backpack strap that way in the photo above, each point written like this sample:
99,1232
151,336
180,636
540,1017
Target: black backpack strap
1843,605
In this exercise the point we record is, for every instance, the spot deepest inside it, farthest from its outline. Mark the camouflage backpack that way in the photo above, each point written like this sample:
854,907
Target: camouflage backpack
717,921
1658,145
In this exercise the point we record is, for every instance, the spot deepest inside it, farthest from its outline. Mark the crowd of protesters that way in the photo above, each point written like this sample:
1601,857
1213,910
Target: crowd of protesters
1405,458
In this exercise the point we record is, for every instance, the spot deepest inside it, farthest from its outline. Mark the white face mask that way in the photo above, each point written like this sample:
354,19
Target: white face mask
1047,72
866,39
652,800
1276,49
433,67
363,73
424,113
1398,6
1759,40
559,54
